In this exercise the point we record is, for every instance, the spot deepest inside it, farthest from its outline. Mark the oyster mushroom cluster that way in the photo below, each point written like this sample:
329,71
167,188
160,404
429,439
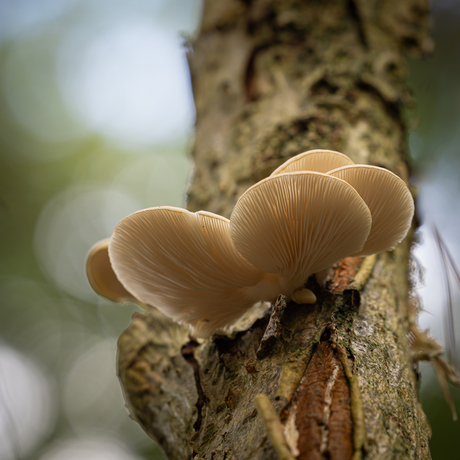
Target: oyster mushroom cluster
207,271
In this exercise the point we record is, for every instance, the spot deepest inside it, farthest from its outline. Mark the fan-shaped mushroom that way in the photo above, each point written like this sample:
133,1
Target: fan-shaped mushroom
314,160
207,271
389,201
101,276
296,224
185,264
386,195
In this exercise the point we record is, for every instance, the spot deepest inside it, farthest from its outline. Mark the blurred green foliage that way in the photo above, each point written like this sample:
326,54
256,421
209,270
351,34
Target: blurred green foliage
63,187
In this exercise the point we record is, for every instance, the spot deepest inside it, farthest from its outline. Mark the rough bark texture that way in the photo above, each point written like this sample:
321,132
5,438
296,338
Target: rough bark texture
271,79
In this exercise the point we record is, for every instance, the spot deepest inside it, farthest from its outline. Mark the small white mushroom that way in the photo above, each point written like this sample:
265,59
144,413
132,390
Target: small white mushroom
297,224
314,160
102,277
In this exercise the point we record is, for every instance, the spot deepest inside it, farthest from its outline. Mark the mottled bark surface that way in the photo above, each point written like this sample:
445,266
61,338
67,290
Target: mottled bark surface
272,79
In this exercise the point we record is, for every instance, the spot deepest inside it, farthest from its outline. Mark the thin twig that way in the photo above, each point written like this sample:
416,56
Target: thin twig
449,325
424,347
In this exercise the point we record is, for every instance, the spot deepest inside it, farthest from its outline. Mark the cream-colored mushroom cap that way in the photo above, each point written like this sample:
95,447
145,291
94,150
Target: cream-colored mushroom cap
297,224
102,277
185,264
314,160
389,200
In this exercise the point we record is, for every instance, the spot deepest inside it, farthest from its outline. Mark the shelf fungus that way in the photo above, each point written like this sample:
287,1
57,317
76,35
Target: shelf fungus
208,271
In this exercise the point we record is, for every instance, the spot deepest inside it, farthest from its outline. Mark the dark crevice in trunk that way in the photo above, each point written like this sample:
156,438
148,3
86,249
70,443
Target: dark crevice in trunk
187,352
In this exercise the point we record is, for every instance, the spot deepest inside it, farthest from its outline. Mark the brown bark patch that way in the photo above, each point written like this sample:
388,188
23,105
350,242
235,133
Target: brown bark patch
323,417
342,273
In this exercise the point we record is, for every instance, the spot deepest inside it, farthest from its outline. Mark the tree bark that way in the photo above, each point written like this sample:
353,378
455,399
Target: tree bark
271,79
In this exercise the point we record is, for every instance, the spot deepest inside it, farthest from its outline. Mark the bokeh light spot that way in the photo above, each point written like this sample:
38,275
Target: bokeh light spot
70,224
95,448
27,409
128,82
91,386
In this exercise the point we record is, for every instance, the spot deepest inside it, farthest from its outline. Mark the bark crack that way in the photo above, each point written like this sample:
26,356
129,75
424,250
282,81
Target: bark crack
187,353
327,407
354,9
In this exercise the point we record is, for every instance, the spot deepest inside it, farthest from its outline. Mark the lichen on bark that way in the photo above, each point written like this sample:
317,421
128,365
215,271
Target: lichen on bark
271,79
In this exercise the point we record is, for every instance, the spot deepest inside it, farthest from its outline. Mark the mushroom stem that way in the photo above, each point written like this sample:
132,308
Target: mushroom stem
323,276
268,289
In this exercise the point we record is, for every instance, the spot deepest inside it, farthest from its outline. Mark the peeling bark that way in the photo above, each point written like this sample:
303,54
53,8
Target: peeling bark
322,408
272,79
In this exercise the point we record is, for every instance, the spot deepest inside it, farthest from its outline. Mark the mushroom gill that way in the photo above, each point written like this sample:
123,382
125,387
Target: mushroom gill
207,271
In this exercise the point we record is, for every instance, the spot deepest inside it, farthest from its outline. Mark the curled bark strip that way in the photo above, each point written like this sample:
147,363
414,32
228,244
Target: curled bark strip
274,428
342,273
291,375
322,408
273,330
364,273
357,407
293,370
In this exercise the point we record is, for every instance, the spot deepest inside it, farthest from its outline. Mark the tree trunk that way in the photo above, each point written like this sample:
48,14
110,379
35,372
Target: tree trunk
271,79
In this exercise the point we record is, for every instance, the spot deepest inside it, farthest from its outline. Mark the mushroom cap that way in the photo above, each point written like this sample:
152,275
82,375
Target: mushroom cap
185,264
314,160
102,277
297,224
389,200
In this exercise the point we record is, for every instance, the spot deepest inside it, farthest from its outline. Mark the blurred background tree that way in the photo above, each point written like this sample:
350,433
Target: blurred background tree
96,116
